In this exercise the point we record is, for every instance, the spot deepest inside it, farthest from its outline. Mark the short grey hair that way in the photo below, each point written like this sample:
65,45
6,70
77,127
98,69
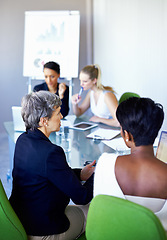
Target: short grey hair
36,105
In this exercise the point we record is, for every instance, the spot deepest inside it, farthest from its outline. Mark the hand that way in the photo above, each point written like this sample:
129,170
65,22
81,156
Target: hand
62,88
94,119
87,171
75,99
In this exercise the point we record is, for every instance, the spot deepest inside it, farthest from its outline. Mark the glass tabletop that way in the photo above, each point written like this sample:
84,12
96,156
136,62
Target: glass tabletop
77,147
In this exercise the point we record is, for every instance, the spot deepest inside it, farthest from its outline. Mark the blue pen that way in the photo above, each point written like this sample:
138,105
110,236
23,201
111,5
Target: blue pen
80,92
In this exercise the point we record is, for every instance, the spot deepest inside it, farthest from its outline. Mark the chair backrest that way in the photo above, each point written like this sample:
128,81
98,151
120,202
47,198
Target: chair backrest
127,95
10,226
115,218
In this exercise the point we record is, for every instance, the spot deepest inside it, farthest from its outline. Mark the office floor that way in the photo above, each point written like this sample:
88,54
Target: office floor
4,162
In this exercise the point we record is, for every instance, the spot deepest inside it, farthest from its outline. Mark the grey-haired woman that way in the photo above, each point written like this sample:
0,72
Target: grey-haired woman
43,182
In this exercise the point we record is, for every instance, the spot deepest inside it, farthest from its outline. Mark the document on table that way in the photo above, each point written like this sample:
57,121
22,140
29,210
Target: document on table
116,143
104,134
119,143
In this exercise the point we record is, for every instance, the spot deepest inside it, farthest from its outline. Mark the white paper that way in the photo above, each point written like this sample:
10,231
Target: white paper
115,143
102,133
119,143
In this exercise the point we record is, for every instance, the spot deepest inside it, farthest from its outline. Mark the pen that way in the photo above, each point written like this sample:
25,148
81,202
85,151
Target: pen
80,92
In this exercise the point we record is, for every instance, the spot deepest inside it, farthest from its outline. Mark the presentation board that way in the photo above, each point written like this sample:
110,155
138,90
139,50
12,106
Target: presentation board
51,36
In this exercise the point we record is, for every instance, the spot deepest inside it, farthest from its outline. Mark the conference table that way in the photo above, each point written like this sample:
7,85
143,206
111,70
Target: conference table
78,148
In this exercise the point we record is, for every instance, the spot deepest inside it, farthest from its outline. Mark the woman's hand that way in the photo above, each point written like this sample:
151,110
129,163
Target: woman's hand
75,99
62,88
95,119
110,122
87,171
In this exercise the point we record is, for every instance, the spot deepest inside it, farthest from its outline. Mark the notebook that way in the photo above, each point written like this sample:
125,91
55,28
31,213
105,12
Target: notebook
162,147
17,119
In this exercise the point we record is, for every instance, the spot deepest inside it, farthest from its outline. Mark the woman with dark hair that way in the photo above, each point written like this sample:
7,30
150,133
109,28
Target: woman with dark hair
139,176
43,182
52,73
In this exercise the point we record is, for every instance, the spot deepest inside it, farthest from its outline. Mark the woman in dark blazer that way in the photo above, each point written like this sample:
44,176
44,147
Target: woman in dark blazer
43,182
51,72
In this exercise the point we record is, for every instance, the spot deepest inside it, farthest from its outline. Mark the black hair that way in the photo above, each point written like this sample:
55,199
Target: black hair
141,117
52,65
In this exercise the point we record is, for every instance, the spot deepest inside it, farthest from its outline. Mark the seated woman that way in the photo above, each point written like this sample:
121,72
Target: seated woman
52,73
139,177
43,182
101,99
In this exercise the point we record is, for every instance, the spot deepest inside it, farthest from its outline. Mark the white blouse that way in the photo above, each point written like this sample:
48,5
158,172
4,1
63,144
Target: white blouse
105,182
100,109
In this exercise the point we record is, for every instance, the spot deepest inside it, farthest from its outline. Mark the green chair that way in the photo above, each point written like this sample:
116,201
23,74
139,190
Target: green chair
82,237
10,226
127,95
119,219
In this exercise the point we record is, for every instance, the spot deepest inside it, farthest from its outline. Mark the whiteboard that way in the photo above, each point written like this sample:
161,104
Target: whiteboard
51,36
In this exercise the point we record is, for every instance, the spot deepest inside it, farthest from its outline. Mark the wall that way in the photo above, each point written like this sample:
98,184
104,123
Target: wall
13,84
130,39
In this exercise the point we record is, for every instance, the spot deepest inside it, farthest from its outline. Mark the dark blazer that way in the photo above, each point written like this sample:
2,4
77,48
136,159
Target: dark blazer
65,101
43,184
